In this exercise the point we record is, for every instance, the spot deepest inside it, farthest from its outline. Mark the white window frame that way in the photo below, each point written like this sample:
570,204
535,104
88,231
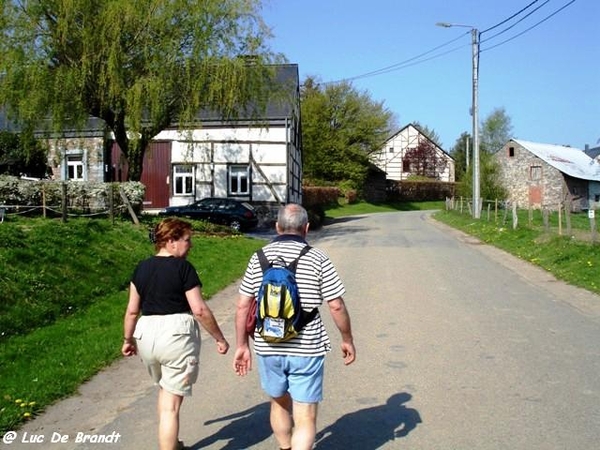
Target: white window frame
183,180
236,175
75,167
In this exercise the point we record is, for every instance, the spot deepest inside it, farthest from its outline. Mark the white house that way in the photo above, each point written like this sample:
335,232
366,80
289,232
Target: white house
258,160
410,152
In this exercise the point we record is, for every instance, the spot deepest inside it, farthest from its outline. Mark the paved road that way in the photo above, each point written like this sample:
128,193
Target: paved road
460,346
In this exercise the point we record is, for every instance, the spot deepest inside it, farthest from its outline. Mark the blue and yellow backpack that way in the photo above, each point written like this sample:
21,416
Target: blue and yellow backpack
279,313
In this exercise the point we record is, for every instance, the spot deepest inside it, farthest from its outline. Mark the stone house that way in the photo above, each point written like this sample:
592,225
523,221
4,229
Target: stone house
545,176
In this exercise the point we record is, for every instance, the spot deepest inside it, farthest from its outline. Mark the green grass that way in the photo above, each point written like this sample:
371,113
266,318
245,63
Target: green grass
369,208
575,261
64,295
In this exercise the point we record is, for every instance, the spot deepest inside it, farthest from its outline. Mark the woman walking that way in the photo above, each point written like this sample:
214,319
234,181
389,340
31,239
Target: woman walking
161,323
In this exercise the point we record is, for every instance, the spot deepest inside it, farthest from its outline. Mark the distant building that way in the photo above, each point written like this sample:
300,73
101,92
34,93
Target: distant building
544,175
400,159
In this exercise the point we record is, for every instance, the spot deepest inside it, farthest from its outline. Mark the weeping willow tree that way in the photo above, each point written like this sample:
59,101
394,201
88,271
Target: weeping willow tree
141,66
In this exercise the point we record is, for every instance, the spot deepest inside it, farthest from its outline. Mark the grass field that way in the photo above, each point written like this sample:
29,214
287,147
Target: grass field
64,292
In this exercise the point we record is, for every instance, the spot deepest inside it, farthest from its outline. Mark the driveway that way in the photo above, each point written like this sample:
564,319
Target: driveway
460,346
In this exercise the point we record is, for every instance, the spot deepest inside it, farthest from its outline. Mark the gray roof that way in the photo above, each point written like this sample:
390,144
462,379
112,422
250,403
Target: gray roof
569,160
592,152
278,108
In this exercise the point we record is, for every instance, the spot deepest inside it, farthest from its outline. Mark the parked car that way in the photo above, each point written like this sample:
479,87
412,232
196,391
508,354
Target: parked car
223,211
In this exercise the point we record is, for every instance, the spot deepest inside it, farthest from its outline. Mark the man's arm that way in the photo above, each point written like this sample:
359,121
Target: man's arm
341,318
242,361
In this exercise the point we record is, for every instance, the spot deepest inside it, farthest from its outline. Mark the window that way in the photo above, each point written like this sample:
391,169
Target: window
535,173
75,167
183,177
391,149
239,177
511,151
406,165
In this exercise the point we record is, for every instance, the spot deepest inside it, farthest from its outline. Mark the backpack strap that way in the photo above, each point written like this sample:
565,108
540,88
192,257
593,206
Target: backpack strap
294,263
305,317
265,264
262,259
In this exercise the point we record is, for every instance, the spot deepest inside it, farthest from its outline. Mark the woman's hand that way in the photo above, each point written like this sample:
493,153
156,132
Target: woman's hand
222,346
129,348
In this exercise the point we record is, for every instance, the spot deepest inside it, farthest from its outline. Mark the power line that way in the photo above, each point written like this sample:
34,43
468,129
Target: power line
510,18
403,64
415,60
514,24
532,27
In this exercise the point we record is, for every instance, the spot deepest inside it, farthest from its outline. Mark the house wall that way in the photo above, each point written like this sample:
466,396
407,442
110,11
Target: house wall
529,180
273,160
390,157
90,149
594,194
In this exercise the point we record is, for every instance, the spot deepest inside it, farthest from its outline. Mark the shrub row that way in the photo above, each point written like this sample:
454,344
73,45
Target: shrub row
78,195
418,191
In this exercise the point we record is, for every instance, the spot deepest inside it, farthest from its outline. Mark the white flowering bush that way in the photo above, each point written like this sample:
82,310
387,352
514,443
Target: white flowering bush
80,196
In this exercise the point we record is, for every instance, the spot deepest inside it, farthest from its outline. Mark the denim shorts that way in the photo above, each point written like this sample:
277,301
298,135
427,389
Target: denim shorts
169,346
301,376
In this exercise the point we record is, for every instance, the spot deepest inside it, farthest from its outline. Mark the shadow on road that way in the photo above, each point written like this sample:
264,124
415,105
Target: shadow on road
247,428
367,429
370,428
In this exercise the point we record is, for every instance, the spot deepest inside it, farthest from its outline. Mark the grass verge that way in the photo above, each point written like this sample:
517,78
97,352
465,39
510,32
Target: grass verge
370,208
81,269
572,260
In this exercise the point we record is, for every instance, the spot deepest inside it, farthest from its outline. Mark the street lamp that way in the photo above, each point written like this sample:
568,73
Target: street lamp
474,113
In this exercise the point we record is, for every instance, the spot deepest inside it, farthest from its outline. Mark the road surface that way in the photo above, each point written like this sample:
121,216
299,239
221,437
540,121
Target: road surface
459,346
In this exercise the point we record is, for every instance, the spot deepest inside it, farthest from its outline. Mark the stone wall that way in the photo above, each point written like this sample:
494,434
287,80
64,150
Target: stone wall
529,179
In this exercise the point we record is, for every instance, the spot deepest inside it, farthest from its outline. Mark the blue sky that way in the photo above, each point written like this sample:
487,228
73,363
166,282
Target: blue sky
547,79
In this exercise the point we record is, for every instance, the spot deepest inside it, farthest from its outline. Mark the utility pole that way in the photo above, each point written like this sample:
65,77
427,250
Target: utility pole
476,176
476,210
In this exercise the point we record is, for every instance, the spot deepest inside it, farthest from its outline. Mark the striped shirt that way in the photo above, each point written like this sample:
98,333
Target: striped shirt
318,282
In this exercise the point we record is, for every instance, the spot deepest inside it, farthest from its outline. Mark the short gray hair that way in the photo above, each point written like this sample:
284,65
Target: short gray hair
292,218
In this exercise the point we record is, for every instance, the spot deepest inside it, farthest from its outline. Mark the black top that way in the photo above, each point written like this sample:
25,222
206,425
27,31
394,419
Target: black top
162,283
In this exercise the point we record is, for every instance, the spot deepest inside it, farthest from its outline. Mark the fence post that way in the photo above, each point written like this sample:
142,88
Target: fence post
64,202
44,200
568,207
592,216
129,208
111,203
496,211
560,219
515,218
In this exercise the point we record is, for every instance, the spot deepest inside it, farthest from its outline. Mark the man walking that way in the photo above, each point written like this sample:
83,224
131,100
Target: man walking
291,372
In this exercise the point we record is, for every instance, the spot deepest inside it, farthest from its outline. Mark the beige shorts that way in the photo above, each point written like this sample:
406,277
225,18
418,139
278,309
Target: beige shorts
170,348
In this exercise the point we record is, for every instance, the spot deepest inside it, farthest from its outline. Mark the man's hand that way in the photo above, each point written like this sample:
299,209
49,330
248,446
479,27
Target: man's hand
242,361
348,352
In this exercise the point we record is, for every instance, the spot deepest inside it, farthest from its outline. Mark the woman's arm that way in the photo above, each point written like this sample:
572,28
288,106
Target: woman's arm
205,317
131,316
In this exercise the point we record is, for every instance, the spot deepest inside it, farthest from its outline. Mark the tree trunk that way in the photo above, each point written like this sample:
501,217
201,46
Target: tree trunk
135,159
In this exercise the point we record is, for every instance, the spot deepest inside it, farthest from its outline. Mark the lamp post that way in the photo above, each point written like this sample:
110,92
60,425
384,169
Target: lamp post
474,113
